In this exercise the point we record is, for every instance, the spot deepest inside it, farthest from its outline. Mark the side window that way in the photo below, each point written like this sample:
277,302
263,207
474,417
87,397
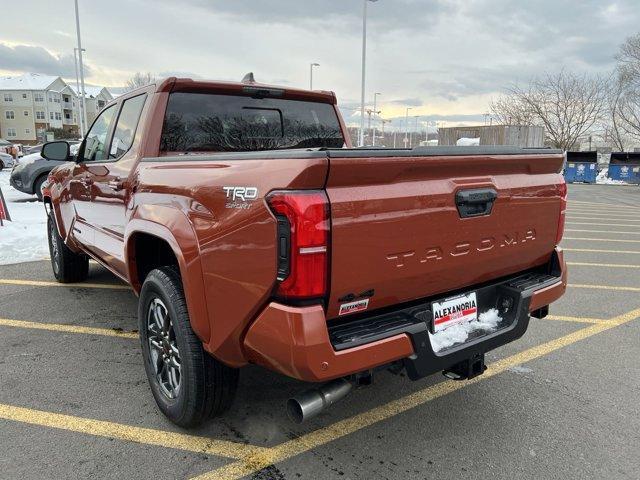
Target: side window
126,126
95,147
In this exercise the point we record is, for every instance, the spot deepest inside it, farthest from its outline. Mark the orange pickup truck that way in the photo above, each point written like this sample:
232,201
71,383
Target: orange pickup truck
254,233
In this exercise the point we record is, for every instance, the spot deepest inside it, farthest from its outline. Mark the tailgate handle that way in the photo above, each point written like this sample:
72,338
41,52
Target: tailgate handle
475,202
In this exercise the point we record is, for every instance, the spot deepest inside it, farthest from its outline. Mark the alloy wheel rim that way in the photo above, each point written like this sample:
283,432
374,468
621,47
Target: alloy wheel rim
55,252
164,356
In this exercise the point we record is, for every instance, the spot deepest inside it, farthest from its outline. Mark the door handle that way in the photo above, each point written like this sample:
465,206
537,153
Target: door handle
116,184
475,202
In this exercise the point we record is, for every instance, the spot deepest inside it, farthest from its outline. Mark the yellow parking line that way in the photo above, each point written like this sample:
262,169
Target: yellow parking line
146,436
564,318
38,283
606,265
604,287
572,202
600,231
569,222
595,250
619,240
604,217
254,463
621,216
57,327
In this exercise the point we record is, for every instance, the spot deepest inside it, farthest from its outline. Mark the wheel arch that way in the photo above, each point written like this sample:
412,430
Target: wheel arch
180,240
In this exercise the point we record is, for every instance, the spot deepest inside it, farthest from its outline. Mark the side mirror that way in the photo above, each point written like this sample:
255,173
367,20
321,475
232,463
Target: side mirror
58,150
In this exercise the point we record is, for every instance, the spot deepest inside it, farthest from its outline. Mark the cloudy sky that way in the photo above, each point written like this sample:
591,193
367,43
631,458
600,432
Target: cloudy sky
444,58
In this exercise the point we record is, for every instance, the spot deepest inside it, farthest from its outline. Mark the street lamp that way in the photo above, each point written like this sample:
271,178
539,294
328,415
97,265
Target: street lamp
311,65
80,50
416,129
406,127
364,58
75,64
375,97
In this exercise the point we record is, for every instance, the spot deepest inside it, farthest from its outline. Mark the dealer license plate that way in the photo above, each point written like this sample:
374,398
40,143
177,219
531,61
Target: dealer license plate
454,310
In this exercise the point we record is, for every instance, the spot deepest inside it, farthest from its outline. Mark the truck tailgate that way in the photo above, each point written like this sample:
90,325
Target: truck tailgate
397,234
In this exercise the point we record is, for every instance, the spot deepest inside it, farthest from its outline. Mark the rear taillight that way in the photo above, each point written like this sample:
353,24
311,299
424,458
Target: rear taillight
562,191
303,242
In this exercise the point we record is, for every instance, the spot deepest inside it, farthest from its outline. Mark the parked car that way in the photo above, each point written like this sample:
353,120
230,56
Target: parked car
31,171
6,161
251,236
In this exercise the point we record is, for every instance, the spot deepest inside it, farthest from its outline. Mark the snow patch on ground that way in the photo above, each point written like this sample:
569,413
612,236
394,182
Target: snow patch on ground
603,179
487,321
25,237
468,142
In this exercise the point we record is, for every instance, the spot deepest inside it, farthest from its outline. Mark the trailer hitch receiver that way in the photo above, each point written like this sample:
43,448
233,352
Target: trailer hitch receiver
467,369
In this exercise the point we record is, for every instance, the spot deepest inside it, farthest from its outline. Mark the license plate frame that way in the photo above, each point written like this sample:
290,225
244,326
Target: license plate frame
454,310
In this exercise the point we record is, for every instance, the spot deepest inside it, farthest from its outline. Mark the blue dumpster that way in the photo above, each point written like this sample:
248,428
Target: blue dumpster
581,167
625,166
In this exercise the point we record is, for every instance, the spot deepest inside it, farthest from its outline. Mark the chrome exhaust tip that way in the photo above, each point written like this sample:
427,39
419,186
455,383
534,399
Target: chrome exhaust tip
310,403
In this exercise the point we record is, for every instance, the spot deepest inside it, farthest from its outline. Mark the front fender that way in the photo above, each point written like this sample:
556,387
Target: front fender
174,227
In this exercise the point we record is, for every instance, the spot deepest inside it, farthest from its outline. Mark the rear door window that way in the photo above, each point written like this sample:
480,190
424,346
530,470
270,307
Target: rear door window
228,123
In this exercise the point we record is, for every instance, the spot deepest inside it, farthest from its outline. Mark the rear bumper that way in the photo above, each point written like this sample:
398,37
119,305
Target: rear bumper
298,342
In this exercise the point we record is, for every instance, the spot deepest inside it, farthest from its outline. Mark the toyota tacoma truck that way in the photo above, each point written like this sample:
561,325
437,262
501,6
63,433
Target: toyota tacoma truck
254,233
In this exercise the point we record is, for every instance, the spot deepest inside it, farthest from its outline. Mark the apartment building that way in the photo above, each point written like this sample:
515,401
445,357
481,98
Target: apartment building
32,104
95,100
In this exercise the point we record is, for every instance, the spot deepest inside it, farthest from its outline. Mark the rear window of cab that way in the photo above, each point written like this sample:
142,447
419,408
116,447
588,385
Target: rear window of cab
204,122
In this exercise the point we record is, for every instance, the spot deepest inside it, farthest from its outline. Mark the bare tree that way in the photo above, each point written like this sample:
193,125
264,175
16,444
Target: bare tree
627,111
568,105
139,79
510,110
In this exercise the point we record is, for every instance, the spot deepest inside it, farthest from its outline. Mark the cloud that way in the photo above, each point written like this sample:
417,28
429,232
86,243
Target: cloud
391,14
409,102
28,58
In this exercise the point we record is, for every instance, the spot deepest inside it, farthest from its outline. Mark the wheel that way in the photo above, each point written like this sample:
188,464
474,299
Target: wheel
38,186
68,266
188,384
1,165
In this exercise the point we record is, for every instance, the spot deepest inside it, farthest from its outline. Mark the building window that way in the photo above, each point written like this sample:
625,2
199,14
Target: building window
58,116
9,115
8,97
67,116
56,99
11,132
38,97
26,113
27,131
51,115
40,115
24,95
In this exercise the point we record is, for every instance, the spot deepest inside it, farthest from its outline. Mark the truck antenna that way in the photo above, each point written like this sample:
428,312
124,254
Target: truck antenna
248,78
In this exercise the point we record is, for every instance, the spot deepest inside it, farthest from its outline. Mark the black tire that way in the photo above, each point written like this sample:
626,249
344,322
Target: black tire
205,387
68,266
37,187
1,165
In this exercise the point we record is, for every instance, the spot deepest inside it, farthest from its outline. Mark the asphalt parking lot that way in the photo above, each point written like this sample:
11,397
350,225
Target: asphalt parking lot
562,402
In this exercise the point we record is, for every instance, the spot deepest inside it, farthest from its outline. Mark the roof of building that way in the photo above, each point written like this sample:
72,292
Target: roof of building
91,90
27,81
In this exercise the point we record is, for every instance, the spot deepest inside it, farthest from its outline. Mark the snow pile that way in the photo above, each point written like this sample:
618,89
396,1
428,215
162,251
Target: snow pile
468,142
487,321
603,178
25,237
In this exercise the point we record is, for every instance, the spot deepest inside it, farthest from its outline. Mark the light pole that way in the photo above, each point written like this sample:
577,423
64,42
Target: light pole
406,127
383,121
80,50
375,98
364,59
311,65
75,64
416,130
